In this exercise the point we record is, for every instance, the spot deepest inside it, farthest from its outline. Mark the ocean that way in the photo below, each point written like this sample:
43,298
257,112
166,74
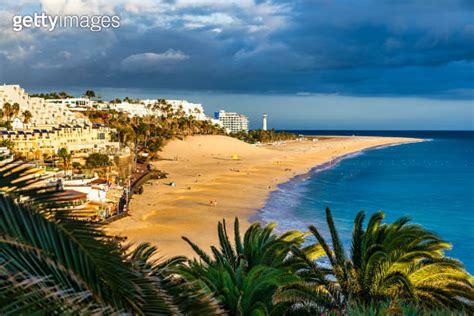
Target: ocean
432,182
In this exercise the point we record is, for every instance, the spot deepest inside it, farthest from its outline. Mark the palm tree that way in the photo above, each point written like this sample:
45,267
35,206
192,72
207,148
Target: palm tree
186,298
15,109
244,276
90,94
26,116
65,156
387,262
124,134
7,111
53,262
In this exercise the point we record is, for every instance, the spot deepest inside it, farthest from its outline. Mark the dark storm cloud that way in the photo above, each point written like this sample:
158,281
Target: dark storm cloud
375,47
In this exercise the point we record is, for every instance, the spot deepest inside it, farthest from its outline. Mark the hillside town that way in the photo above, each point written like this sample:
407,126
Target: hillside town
96,150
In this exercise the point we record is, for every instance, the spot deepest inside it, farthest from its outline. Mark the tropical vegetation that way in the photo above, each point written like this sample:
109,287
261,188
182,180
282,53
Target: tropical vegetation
244,275
65,157
97,160
263,136
9,111
396,262
90,94
150,133
52,261
6,143
52,95
27,116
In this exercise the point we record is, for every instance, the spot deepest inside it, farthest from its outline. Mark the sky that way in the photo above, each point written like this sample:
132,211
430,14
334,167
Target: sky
316,64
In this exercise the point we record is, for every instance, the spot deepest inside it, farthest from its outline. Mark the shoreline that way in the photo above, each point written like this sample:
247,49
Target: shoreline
203,170
257,217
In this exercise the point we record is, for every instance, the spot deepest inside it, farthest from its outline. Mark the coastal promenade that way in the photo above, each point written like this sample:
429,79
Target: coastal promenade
139,175
220,177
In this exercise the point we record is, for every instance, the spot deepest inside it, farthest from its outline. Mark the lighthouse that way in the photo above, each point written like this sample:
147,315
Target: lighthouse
264,121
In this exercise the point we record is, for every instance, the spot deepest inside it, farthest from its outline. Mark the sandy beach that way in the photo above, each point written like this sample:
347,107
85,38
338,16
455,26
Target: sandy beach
204,170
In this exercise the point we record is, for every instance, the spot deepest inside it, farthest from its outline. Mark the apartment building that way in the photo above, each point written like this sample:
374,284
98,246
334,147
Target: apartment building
42,112
155,107
232,122
77,139
190,109
76,104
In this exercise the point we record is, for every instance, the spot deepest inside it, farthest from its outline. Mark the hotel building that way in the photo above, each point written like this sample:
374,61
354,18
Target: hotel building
232,122
76,104
190,109
52,126
42,112
132,109
77,139
151,107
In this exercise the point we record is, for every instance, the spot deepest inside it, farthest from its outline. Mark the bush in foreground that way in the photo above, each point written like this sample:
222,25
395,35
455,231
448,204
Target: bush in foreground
395,262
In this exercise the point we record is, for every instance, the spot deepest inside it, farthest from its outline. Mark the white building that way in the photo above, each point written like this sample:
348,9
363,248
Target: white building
232,122
42,113
80,140
5,155
157,107
77,104
132,109
264,122
96,189
190,109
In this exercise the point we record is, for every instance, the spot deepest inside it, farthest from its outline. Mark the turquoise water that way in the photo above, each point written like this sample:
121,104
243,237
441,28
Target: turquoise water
432,182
